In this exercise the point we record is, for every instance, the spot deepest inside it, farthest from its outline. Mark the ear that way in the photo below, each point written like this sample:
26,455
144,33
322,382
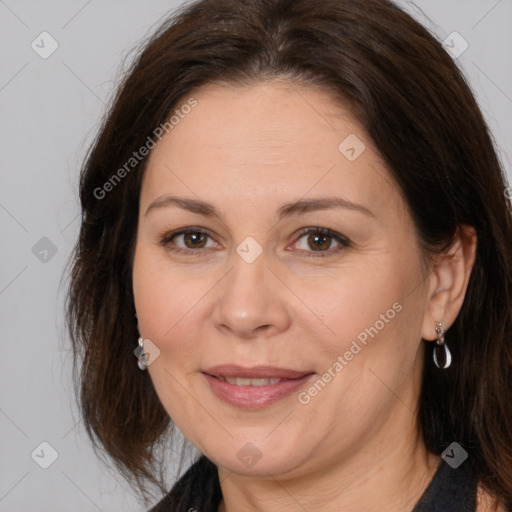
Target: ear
449,279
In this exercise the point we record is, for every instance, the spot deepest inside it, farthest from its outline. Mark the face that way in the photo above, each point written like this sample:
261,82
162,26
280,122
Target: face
271,237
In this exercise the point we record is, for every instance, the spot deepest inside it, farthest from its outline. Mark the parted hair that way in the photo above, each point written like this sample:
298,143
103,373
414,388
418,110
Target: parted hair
417,108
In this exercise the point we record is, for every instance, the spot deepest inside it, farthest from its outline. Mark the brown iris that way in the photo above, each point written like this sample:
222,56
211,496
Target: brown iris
319,242
197,239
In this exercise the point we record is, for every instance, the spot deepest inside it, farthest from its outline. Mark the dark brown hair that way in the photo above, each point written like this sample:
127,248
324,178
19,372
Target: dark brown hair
419,111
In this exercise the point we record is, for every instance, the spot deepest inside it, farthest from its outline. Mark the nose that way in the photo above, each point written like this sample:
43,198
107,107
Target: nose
251,301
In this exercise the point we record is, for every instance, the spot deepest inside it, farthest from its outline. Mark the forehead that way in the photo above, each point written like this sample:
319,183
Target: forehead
282,118
297,139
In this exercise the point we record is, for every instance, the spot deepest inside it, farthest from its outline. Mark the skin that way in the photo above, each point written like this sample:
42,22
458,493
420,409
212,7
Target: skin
247,151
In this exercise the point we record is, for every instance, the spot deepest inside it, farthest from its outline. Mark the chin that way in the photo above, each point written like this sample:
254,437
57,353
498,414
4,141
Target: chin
258,459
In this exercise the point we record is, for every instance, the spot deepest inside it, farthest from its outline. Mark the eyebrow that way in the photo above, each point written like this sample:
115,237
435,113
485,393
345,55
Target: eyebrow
299,207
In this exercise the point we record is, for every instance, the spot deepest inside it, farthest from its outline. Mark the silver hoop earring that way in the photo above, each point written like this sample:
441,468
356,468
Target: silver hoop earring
139,352
440,342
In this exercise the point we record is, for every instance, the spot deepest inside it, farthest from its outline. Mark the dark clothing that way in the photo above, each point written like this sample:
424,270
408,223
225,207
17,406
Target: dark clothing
450,490
198,490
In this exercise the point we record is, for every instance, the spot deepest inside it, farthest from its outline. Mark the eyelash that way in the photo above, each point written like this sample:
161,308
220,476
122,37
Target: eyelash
166,238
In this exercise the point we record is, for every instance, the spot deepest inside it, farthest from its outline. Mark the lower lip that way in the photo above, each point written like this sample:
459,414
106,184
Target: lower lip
255,397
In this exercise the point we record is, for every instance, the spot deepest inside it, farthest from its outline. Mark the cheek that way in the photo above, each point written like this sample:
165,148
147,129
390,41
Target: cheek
156,298
376,320
168,301
353,301
371,313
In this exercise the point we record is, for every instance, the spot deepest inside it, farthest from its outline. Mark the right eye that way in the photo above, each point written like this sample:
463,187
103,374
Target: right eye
192,240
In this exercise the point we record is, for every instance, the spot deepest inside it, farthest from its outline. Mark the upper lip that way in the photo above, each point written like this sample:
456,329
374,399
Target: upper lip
255,372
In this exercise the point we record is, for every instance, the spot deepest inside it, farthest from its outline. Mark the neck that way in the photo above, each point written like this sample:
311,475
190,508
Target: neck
390,473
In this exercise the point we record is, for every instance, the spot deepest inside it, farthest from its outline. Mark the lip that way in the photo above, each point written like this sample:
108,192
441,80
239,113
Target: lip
255,397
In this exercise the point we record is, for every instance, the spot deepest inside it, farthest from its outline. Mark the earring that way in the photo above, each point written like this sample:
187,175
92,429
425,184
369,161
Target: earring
440,342
139,352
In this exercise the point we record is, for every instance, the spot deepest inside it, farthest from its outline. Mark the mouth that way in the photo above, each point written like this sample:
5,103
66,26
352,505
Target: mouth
256,387
240,381
255,372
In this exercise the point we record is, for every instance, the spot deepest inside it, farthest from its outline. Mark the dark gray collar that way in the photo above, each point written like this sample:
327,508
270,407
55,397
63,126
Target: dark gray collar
450,490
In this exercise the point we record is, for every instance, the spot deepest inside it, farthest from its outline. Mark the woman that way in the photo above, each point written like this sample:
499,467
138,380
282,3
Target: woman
297,210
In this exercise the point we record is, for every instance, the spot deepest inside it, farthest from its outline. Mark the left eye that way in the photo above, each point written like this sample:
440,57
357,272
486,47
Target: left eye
320,240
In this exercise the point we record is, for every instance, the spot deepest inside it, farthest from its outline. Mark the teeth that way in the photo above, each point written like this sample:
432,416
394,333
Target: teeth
238,381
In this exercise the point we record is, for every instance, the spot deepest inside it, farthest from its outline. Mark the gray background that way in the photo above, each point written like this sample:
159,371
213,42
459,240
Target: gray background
50,111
